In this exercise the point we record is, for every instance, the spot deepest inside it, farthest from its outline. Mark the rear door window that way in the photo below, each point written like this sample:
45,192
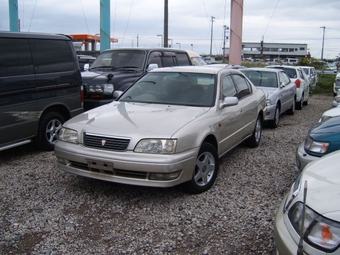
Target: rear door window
51,56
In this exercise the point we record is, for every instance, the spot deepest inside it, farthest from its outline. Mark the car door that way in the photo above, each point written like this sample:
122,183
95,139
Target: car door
287,91
230,121
248,104
17,91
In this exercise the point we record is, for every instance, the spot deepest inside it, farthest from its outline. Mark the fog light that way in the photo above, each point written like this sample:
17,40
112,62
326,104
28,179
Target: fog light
164,176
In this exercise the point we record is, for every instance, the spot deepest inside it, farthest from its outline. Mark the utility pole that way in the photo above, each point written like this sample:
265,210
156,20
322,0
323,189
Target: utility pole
165,32
13,16
211,39
323,41
137,41
225,38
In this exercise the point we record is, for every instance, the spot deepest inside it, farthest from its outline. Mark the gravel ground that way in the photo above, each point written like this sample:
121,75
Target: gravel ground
47,211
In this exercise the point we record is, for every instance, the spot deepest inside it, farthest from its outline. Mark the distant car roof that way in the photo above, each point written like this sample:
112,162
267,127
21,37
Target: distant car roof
194,69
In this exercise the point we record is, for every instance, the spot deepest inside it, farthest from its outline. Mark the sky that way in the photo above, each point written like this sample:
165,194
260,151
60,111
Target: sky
190,26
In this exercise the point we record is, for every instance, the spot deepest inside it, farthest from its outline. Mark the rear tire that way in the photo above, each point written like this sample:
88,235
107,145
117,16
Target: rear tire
254,140
49,126
205,171
291,110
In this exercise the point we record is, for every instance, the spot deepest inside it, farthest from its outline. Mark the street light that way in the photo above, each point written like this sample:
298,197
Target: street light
179,45
171,45
161,40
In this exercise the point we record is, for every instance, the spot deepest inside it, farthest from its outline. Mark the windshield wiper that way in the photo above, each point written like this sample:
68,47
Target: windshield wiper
95,67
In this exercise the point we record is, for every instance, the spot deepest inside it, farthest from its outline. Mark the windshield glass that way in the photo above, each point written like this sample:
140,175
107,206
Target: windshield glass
262,79
193,89
120,59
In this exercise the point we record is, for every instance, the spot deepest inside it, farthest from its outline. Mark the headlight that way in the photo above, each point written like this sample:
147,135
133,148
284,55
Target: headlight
314,146
68,135
324,118
268,102
319,231
105,89
156,146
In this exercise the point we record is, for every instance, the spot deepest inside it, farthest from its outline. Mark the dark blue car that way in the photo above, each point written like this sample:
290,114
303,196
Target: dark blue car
322,139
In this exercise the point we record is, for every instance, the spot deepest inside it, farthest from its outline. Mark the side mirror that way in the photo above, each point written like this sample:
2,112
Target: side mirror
152,66
117,93
228,101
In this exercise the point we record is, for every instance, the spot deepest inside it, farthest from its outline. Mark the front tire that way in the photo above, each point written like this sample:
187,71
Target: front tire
254,140
49,126
205,171
275,122
300,104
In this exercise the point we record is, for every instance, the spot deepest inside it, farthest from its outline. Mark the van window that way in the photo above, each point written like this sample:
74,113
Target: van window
51,56
15,57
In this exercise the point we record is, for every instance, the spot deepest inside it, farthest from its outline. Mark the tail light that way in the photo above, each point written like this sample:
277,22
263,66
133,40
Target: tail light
298,83
82,94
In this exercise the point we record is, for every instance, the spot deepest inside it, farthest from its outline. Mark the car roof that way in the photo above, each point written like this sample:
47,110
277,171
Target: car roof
33,35
148,49
262,69
196,69
284,66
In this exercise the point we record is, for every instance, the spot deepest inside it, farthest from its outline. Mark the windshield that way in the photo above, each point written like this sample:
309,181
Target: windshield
115,59
261,78
193,89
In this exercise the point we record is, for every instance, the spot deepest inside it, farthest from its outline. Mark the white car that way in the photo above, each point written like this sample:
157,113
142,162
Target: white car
314,203
312,75
336,85
334,112
170,127
296,74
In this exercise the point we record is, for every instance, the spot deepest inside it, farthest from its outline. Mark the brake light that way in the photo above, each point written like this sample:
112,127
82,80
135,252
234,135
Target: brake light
82,93
298,83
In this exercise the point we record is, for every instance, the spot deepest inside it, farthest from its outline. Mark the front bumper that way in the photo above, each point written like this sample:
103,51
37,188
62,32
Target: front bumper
270,112
302,158
125,167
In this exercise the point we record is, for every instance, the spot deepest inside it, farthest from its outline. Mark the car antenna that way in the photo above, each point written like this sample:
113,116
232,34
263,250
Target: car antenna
300,245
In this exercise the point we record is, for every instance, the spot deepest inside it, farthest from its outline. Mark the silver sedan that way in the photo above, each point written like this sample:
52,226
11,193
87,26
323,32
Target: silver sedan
168,128
280,91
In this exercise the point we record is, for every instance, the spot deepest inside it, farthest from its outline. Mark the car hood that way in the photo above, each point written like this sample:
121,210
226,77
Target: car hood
323,192
127,119
324,131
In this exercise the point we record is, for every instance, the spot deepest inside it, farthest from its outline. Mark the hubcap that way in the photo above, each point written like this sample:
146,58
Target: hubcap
52,130
205,168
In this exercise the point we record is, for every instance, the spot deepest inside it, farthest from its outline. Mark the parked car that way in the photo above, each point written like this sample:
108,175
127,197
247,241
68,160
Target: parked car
295,73
117,69
322,139
314,203
168,128
336,101
312,75
40,87
334,112
279,89
336,85
196,59
85,62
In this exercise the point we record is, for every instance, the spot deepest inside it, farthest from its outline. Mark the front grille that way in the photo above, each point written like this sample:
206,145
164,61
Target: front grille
106,142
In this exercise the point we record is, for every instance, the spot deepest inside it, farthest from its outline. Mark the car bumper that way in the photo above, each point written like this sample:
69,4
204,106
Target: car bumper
302,158
126,167
270,112
335,103
283,241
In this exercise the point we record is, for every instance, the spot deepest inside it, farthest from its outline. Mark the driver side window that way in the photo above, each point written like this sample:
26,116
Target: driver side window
228,87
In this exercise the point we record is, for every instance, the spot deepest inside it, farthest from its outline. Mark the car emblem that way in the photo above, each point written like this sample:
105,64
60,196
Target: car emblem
103,142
